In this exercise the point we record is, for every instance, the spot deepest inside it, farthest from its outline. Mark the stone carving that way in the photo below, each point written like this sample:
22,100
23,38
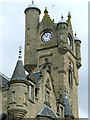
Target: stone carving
46,55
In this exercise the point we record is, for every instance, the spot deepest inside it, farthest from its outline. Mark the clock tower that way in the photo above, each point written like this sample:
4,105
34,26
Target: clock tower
55,46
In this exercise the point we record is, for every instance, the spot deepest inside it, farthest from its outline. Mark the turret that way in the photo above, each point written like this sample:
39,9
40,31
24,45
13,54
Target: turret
18,85
78,52
62,36
31,38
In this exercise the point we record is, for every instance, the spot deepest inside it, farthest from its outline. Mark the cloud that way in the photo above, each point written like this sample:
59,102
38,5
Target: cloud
82,114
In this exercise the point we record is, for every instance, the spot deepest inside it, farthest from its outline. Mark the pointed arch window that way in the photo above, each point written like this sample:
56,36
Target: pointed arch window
47,97
70,77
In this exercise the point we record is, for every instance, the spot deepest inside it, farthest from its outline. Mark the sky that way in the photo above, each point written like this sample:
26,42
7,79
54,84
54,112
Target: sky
12,35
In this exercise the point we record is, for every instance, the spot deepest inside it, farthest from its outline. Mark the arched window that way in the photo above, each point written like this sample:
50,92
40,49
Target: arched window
28,31
31,92
61,36
28,47
70,77
13,95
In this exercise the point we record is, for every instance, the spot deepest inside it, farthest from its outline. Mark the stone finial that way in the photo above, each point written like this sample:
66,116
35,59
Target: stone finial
20,53
75,34
45,11
32,1
62,17
69,17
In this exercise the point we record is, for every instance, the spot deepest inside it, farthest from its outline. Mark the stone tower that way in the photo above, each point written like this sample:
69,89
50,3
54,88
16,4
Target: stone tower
31,34
18,85
53,45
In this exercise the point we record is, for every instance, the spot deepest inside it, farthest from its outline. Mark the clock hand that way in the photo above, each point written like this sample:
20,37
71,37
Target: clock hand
46,35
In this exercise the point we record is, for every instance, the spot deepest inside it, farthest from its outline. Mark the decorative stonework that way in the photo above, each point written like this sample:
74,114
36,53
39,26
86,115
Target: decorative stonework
46,55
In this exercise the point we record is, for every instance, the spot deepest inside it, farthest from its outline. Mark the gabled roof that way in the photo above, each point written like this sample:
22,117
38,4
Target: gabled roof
19,72
46,112
67,109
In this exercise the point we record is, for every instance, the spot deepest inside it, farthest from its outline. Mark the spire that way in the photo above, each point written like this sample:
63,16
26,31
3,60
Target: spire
69,17
45,11
19,71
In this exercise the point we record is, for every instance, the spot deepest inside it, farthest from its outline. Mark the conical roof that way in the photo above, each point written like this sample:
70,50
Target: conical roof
19,72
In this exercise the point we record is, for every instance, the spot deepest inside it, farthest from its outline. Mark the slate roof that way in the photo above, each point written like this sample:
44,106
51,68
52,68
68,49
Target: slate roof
19,72
67,109
46,112
3,80
36,76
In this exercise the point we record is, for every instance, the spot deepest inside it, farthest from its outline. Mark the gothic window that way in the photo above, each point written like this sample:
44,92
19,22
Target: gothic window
28,31
13,95
28,47
70,77
61,36
69,64
47,97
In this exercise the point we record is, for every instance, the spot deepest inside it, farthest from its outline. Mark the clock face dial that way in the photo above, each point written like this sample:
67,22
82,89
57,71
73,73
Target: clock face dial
46,36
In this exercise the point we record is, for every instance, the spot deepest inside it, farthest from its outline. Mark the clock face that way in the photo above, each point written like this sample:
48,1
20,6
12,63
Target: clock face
46,36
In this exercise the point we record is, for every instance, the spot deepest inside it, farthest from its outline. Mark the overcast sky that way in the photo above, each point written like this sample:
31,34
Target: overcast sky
12,35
